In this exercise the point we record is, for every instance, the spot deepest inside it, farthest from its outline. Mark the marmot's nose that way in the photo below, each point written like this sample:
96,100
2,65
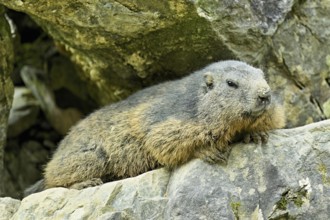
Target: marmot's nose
264,97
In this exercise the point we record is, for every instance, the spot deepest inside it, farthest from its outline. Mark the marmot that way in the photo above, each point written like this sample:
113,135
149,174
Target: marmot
167,125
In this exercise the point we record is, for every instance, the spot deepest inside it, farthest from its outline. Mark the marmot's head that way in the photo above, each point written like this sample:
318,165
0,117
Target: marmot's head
232,91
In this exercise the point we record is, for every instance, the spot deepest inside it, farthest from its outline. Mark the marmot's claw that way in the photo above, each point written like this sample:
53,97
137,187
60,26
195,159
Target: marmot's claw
216,156
256,137
216,159
264,137
87,183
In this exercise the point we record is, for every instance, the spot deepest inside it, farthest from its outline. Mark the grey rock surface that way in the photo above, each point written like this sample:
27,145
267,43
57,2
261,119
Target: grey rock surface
8,207
287,178
142,197
121,46
24,162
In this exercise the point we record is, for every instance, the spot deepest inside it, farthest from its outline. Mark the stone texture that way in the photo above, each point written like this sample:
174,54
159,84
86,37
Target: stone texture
288,178
120,46
6,87
141,198
301,46
8,207
24,161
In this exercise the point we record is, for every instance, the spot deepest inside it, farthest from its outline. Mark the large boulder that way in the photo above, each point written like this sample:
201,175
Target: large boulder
6,86
121,46
288,178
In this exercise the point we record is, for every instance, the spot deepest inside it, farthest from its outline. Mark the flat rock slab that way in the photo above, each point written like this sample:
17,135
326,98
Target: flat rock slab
284,179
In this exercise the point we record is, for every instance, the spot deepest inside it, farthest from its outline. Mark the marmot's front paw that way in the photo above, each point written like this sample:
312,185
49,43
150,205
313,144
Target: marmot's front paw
256,137
213,155
87,183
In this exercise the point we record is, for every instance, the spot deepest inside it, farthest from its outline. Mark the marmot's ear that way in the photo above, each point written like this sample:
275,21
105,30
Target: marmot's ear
208,78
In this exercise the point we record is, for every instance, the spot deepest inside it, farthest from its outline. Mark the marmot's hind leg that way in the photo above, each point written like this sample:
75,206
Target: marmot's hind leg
75,170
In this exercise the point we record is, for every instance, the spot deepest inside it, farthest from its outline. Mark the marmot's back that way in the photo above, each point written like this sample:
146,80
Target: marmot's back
166,125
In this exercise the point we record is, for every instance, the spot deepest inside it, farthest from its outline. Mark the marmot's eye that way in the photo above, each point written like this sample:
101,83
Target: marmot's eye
232,84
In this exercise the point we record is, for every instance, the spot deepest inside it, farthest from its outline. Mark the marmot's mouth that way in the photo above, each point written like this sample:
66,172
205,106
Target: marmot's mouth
258,112
263,104
255,112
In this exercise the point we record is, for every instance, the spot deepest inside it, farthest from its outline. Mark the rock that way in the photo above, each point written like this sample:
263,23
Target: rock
135,42
23,113
26,155
141,197
6,86
301,46
8,207
245,25
288,178
24,166
61,119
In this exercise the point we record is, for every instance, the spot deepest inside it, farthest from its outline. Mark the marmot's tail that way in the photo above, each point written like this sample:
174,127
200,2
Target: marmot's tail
37,187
